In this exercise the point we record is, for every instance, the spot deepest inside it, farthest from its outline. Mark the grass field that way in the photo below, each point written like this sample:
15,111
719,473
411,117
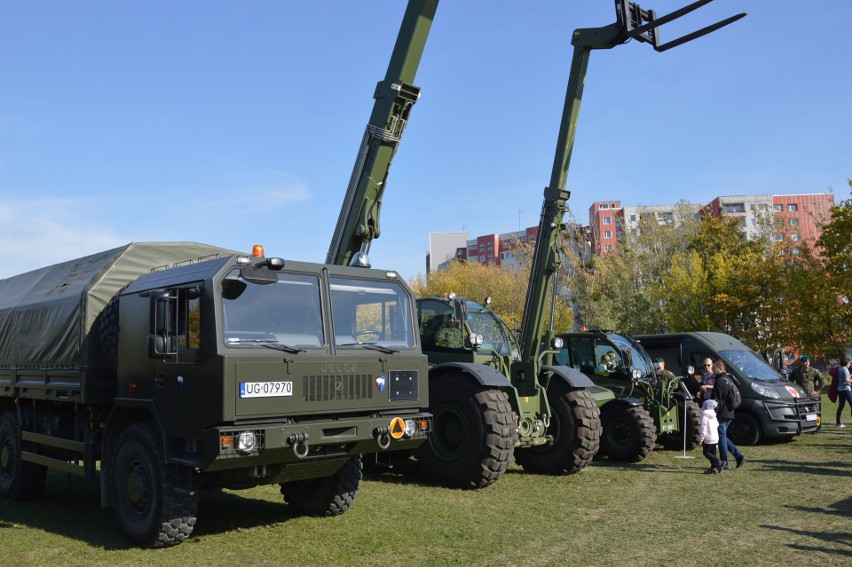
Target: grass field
791,504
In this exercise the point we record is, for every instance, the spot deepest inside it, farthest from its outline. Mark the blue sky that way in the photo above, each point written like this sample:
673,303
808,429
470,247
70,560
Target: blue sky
234,123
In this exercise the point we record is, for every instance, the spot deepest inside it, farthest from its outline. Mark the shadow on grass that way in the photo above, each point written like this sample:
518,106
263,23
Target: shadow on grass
829,537
827,468
841,508
71,508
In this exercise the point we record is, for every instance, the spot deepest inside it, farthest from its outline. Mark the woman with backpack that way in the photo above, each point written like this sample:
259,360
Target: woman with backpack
727,397
844,389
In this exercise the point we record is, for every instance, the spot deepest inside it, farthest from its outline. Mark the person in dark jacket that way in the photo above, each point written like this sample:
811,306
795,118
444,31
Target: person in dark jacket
721,392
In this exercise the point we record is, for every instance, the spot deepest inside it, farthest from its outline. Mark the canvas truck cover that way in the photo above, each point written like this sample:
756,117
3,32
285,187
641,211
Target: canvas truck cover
47,316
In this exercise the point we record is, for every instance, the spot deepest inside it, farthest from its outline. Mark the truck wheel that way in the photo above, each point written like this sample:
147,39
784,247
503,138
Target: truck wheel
576,430
674,441
745,430
328,496
19,479
473,434
150,511
628,432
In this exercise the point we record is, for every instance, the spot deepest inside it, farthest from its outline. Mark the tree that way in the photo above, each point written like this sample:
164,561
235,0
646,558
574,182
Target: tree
505,285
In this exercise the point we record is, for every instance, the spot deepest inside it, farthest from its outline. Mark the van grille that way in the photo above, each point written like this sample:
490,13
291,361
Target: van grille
327,388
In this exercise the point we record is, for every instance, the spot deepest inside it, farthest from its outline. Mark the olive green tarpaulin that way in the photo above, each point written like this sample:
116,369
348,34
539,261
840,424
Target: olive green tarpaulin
47,316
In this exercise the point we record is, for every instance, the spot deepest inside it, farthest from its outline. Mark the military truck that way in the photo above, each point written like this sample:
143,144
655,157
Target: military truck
648,407
179,367
772,407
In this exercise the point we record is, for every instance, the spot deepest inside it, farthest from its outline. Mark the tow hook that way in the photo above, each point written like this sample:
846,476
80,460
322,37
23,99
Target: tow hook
382,435
299,439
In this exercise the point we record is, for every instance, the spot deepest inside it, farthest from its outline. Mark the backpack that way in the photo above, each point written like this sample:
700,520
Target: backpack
733,399
832,390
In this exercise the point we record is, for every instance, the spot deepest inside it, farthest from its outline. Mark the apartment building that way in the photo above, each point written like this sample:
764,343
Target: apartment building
796,218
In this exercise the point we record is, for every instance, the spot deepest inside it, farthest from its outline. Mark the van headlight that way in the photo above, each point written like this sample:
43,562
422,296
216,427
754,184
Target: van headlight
765,391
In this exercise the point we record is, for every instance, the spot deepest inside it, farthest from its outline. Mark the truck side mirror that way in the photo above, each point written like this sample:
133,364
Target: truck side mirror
161,337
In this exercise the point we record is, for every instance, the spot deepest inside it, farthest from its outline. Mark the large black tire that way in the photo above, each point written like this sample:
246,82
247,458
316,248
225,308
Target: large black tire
150,512
473,434
19,479
745,430
327,496
674,441
576,430
628,432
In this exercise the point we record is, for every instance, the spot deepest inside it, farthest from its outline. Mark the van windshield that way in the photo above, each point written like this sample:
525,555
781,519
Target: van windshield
751,365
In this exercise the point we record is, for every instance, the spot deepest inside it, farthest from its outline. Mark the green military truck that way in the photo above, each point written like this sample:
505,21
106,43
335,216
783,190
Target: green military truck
179,367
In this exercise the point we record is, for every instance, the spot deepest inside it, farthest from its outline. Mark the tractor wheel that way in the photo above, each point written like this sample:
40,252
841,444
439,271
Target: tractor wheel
473,434
745,430
326,496
628,432
576,430
150,511
19,479
674,441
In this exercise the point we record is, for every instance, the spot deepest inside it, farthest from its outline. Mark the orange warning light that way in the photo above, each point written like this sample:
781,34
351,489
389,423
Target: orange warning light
257,251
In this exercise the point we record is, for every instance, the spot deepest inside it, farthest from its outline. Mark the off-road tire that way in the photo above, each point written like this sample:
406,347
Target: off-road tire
628,432
674,441
745,430
327,496
473,434
576,430
19,479
150,512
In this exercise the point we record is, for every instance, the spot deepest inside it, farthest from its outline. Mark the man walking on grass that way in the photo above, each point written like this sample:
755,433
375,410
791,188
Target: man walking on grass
723,394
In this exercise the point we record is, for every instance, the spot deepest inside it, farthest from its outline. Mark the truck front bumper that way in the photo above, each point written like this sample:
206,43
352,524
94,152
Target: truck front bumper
296,441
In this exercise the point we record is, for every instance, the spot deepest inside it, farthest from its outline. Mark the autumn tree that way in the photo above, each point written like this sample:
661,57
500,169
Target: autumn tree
506,286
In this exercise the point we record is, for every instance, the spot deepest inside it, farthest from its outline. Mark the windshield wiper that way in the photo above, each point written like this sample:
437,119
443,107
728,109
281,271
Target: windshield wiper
371,346
285,348
268,343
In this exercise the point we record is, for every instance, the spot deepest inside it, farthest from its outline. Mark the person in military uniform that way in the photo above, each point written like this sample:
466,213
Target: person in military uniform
450,333
807,377
662,373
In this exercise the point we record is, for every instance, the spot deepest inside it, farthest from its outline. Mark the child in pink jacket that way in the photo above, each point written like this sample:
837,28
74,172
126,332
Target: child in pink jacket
709,436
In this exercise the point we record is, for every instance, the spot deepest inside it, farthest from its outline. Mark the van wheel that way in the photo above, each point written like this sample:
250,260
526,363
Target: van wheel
150,511
745,430
19,479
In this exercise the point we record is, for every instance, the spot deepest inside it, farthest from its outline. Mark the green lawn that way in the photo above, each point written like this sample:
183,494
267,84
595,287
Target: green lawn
791,504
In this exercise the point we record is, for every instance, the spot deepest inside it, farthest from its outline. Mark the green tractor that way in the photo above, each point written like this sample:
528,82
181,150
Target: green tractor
554,408
647,406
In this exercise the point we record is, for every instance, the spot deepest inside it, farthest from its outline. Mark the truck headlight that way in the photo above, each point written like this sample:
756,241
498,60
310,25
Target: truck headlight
765,391
475,339
558,342
410,428
246,442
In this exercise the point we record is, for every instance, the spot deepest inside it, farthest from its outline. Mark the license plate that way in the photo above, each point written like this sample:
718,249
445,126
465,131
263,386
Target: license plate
811,417
265,389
